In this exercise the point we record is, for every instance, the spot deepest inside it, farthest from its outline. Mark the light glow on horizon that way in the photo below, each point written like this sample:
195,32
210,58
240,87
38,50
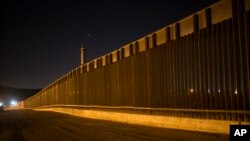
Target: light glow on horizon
13,103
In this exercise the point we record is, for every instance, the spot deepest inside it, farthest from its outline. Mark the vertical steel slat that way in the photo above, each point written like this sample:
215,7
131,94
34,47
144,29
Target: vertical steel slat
213,66
223,72
177,71
243,58
181,71
174,73
187,44
232,67
171,74
200,89
185,69
238,53
192,76
247,63
196,72
218,62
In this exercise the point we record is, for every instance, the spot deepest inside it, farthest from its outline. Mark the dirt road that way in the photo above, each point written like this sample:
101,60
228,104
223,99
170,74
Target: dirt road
28,125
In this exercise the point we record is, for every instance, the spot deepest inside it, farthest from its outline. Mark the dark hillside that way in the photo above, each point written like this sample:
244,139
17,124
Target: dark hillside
9,93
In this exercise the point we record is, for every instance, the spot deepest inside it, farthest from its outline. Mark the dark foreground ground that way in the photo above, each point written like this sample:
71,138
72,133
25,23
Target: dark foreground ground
28,125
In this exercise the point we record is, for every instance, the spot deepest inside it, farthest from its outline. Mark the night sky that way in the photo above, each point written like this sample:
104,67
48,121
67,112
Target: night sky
40,40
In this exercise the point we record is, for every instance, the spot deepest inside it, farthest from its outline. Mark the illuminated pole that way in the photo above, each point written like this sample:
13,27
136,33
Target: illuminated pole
82,55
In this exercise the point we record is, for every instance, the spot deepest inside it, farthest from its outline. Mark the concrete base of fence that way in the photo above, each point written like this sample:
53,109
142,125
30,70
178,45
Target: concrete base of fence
204,125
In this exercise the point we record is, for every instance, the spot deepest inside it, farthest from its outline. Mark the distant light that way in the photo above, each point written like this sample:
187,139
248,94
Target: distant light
13,103
1,104
191,90
236,92
219,91
208,90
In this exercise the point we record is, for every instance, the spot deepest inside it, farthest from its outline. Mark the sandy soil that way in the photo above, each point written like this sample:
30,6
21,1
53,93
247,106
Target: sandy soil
28,125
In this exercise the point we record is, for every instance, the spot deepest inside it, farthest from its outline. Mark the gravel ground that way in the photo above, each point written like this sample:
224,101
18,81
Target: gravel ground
28,125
